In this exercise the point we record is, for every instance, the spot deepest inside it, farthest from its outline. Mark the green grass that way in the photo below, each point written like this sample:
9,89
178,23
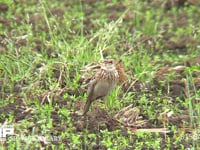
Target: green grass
45,44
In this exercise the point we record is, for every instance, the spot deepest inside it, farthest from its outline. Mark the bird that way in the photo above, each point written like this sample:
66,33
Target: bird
102,83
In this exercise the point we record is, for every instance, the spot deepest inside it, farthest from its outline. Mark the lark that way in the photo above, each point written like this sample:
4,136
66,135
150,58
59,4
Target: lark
102,83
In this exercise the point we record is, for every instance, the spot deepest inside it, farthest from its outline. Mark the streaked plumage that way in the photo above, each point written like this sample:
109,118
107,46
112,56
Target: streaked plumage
102,83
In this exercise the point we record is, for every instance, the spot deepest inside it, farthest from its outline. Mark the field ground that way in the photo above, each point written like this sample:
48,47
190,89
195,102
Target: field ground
45,44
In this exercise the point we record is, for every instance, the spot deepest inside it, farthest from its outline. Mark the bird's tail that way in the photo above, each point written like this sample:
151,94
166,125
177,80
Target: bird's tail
86,107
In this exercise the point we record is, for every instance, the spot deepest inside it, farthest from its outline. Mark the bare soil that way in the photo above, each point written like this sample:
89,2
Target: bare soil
98,118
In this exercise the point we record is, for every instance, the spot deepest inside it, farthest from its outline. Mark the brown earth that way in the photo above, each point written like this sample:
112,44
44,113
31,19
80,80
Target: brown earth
98,118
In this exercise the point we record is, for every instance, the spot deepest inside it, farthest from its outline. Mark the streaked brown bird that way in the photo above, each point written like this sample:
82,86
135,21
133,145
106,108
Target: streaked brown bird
102,83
